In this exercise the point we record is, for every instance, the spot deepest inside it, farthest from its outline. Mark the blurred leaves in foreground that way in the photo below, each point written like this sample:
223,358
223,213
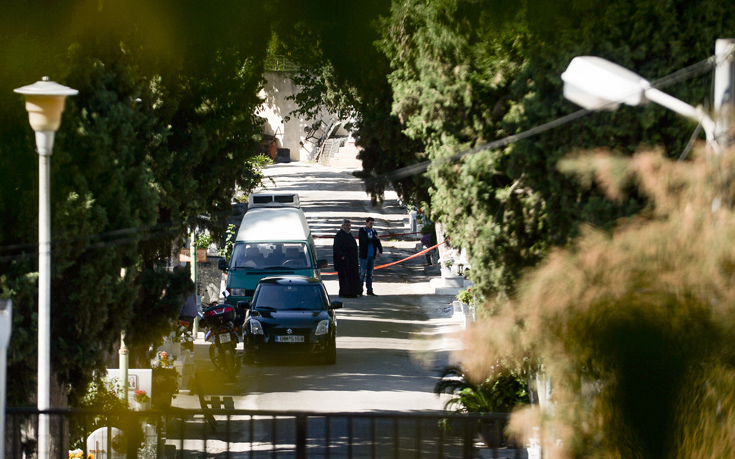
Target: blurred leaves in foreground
634,327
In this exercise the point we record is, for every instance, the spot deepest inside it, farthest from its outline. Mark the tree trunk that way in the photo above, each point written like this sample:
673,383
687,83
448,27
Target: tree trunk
442,249
21,434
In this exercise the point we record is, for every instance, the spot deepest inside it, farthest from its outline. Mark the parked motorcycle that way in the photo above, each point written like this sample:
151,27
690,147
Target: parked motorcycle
224,326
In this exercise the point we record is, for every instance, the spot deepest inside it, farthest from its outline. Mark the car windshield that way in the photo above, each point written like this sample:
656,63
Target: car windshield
280,297
270,256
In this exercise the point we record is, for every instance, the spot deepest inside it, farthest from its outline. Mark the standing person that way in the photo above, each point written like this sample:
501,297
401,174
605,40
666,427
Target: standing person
344,251
370,248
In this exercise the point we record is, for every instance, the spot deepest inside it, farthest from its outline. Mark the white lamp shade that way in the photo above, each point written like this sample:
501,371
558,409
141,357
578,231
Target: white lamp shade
45,101
44,112
598,84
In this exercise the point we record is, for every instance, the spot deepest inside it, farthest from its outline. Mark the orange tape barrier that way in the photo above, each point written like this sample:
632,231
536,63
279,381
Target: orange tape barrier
383,235
399,261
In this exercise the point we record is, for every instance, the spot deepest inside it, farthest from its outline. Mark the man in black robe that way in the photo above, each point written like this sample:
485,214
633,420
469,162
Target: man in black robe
346,262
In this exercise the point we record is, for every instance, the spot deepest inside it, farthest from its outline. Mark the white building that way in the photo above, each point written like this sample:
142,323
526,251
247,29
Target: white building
323,139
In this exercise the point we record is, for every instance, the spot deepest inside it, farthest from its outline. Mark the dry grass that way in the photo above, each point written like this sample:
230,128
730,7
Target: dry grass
636,328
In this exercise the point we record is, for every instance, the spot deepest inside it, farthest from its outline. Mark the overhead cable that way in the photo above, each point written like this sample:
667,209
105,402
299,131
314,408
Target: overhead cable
686,73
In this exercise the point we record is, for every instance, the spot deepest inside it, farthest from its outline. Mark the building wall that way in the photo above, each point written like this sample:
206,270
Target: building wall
276,107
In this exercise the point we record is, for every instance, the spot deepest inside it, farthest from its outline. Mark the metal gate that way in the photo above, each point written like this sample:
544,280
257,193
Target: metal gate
189,434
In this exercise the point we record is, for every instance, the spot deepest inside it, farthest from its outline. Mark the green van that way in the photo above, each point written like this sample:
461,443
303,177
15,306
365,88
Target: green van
271,241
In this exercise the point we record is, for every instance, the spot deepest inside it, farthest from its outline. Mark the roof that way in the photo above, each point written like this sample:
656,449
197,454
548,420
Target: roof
297,280
274,224
274,199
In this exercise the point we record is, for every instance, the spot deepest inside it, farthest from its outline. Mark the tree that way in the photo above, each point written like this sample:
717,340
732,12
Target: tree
632,325
341,71
468,72
163,130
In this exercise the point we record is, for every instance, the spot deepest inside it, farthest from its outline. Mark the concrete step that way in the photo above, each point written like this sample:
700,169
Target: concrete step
345,163
346,158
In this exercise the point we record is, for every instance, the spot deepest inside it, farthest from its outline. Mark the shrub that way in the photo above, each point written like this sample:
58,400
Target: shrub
101,396
499,393
466,296
165,384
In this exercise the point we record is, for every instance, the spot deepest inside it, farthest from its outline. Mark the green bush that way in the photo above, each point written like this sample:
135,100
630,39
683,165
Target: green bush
226,251
203,241
165,386
499,393
101,395
466,296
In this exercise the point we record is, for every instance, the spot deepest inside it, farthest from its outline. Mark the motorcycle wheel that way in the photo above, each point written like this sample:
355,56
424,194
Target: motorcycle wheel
231,363
216,357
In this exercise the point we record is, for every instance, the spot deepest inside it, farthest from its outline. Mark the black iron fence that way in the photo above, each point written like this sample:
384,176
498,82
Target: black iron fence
229,433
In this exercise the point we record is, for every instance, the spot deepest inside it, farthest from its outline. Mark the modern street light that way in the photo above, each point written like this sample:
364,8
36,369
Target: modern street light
598,84
45,101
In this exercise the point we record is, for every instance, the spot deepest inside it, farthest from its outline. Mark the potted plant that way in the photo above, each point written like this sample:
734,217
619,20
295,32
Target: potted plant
446,267
466,296
141,400
499,393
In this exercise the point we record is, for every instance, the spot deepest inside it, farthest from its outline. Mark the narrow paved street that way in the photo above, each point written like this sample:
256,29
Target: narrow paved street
390,347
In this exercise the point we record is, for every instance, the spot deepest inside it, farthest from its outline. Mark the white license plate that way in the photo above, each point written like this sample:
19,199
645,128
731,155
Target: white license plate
290,339
224,338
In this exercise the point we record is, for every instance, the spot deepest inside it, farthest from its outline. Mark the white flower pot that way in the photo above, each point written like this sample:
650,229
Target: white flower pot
145,406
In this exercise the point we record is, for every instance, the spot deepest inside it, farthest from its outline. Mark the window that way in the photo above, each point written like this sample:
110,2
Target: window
291,297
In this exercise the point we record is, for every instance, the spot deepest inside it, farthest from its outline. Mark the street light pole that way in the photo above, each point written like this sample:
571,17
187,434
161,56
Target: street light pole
193,256
45,102
724,99
6,328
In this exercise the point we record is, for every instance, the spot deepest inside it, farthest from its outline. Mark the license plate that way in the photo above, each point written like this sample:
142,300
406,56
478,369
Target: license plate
224,338
290,339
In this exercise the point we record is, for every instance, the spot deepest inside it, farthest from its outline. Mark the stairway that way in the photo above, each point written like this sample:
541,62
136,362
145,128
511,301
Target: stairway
346,157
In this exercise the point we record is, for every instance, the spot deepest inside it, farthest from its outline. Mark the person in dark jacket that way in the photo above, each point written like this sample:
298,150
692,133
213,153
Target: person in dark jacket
344,251
370,248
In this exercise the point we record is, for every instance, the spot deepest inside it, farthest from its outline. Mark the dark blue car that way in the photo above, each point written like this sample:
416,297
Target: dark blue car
290,315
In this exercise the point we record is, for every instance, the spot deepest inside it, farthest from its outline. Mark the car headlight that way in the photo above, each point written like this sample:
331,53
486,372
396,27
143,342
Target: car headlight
255,327
237,291
322,328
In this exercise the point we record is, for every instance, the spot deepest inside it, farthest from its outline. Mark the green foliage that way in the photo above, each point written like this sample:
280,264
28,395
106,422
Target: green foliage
342,72
163,129
165,386
633,325
253,176
500,393
466,296
203,241
468,72
162,292
104,395
101,396
230,235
